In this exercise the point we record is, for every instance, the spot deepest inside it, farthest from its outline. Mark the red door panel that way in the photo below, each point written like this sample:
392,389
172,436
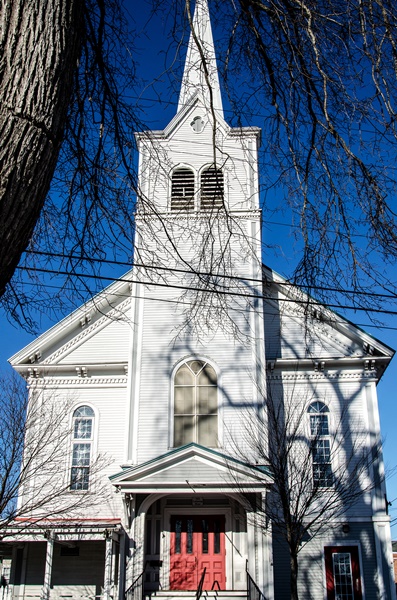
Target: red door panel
197,542
342,569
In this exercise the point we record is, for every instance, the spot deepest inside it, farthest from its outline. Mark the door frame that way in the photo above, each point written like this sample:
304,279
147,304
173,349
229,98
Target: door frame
343,544
165,542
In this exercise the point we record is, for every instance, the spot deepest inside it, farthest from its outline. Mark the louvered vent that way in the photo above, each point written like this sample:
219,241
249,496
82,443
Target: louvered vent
182,190
212,191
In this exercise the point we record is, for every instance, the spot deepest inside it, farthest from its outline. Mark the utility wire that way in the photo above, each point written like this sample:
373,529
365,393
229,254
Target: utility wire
186,303
258,296
207,274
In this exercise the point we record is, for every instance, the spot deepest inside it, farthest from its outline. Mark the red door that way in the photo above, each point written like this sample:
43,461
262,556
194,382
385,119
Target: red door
197,542
343,573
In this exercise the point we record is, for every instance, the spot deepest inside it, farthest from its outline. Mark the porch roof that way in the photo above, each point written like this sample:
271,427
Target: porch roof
193,468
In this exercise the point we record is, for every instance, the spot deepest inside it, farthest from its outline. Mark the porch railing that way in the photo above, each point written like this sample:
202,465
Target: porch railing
129,592
253,591
200,585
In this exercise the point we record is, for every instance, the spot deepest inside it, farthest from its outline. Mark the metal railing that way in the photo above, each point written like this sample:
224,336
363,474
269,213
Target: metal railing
129,592
253,591
200,585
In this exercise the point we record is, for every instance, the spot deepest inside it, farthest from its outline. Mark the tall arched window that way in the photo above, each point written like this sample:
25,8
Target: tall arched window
320,444
196,404
82,434
182,189
212,189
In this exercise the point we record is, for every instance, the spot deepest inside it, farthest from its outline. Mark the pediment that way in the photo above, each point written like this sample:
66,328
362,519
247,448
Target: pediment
299,328
195,104
192,468
101,323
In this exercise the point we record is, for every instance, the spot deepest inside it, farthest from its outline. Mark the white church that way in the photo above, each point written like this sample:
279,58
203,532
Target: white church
163,384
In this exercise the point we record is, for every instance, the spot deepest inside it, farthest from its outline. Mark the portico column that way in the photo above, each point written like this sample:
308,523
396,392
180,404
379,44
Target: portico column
138,555
251,550
45,593
267,553
107,585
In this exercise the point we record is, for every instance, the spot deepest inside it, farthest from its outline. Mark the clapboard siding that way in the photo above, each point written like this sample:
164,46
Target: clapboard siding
72,576
110,344
299,339
184,148
193,470
160,354
81,575
110,406
311,559
35,566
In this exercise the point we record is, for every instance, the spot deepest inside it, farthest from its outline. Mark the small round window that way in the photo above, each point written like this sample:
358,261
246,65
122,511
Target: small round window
197,124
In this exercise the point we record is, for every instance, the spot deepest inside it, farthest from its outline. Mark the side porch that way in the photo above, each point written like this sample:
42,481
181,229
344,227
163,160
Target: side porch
64,560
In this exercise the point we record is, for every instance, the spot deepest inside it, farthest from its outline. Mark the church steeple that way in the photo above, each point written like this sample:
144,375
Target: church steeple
201,57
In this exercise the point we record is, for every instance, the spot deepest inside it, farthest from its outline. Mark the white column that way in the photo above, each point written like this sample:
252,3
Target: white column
45,593
251,549
130,503
107,583
138,554
267,545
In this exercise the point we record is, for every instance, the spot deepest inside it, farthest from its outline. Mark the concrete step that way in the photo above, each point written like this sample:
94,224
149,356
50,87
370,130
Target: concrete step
190,595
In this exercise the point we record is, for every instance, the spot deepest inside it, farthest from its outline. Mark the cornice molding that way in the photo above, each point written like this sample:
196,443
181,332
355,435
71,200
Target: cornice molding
325,376
76,382
198,215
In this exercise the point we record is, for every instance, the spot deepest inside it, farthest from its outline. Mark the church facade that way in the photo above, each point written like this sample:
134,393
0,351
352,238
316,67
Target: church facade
162,379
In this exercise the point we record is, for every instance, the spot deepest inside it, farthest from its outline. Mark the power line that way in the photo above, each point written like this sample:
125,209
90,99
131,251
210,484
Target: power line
186,303
206,274
308,302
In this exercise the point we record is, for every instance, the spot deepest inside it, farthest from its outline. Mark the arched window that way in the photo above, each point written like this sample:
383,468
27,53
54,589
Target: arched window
196,404
320,444
82,434
212,189
182,190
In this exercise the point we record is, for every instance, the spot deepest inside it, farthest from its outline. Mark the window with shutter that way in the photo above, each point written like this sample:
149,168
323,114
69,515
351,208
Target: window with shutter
212,189
182,190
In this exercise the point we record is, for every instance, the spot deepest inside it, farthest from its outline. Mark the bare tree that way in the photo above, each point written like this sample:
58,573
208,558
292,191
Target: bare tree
64,68
319,471
35,452
322,79
319,78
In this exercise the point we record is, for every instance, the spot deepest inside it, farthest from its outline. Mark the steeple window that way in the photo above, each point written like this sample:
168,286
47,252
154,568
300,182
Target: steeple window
182,190
212,189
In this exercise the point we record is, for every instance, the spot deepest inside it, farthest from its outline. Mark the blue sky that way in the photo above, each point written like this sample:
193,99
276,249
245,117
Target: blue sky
154,54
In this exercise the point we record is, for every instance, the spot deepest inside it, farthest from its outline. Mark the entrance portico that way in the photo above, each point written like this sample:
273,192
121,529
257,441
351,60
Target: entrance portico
190,509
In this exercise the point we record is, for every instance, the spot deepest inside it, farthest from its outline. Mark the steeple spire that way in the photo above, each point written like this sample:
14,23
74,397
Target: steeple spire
194,73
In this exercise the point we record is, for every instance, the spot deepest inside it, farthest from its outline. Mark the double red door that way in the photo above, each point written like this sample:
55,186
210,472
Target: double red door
197,542
343,573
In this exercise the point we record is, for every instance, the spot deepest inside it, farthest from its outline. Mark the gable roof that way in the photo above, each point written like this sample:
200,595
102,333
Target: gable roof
299,330
107,306
339,337
192,468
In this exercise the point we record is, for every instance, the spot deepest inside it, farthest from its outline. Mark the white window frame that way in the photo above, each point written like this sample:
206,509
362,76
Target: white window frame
81,440
180,363
320,437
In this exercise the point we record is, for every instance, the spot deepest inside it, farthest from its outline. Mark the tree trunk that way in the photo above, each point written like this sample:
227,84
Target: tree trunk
40,43
294,575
